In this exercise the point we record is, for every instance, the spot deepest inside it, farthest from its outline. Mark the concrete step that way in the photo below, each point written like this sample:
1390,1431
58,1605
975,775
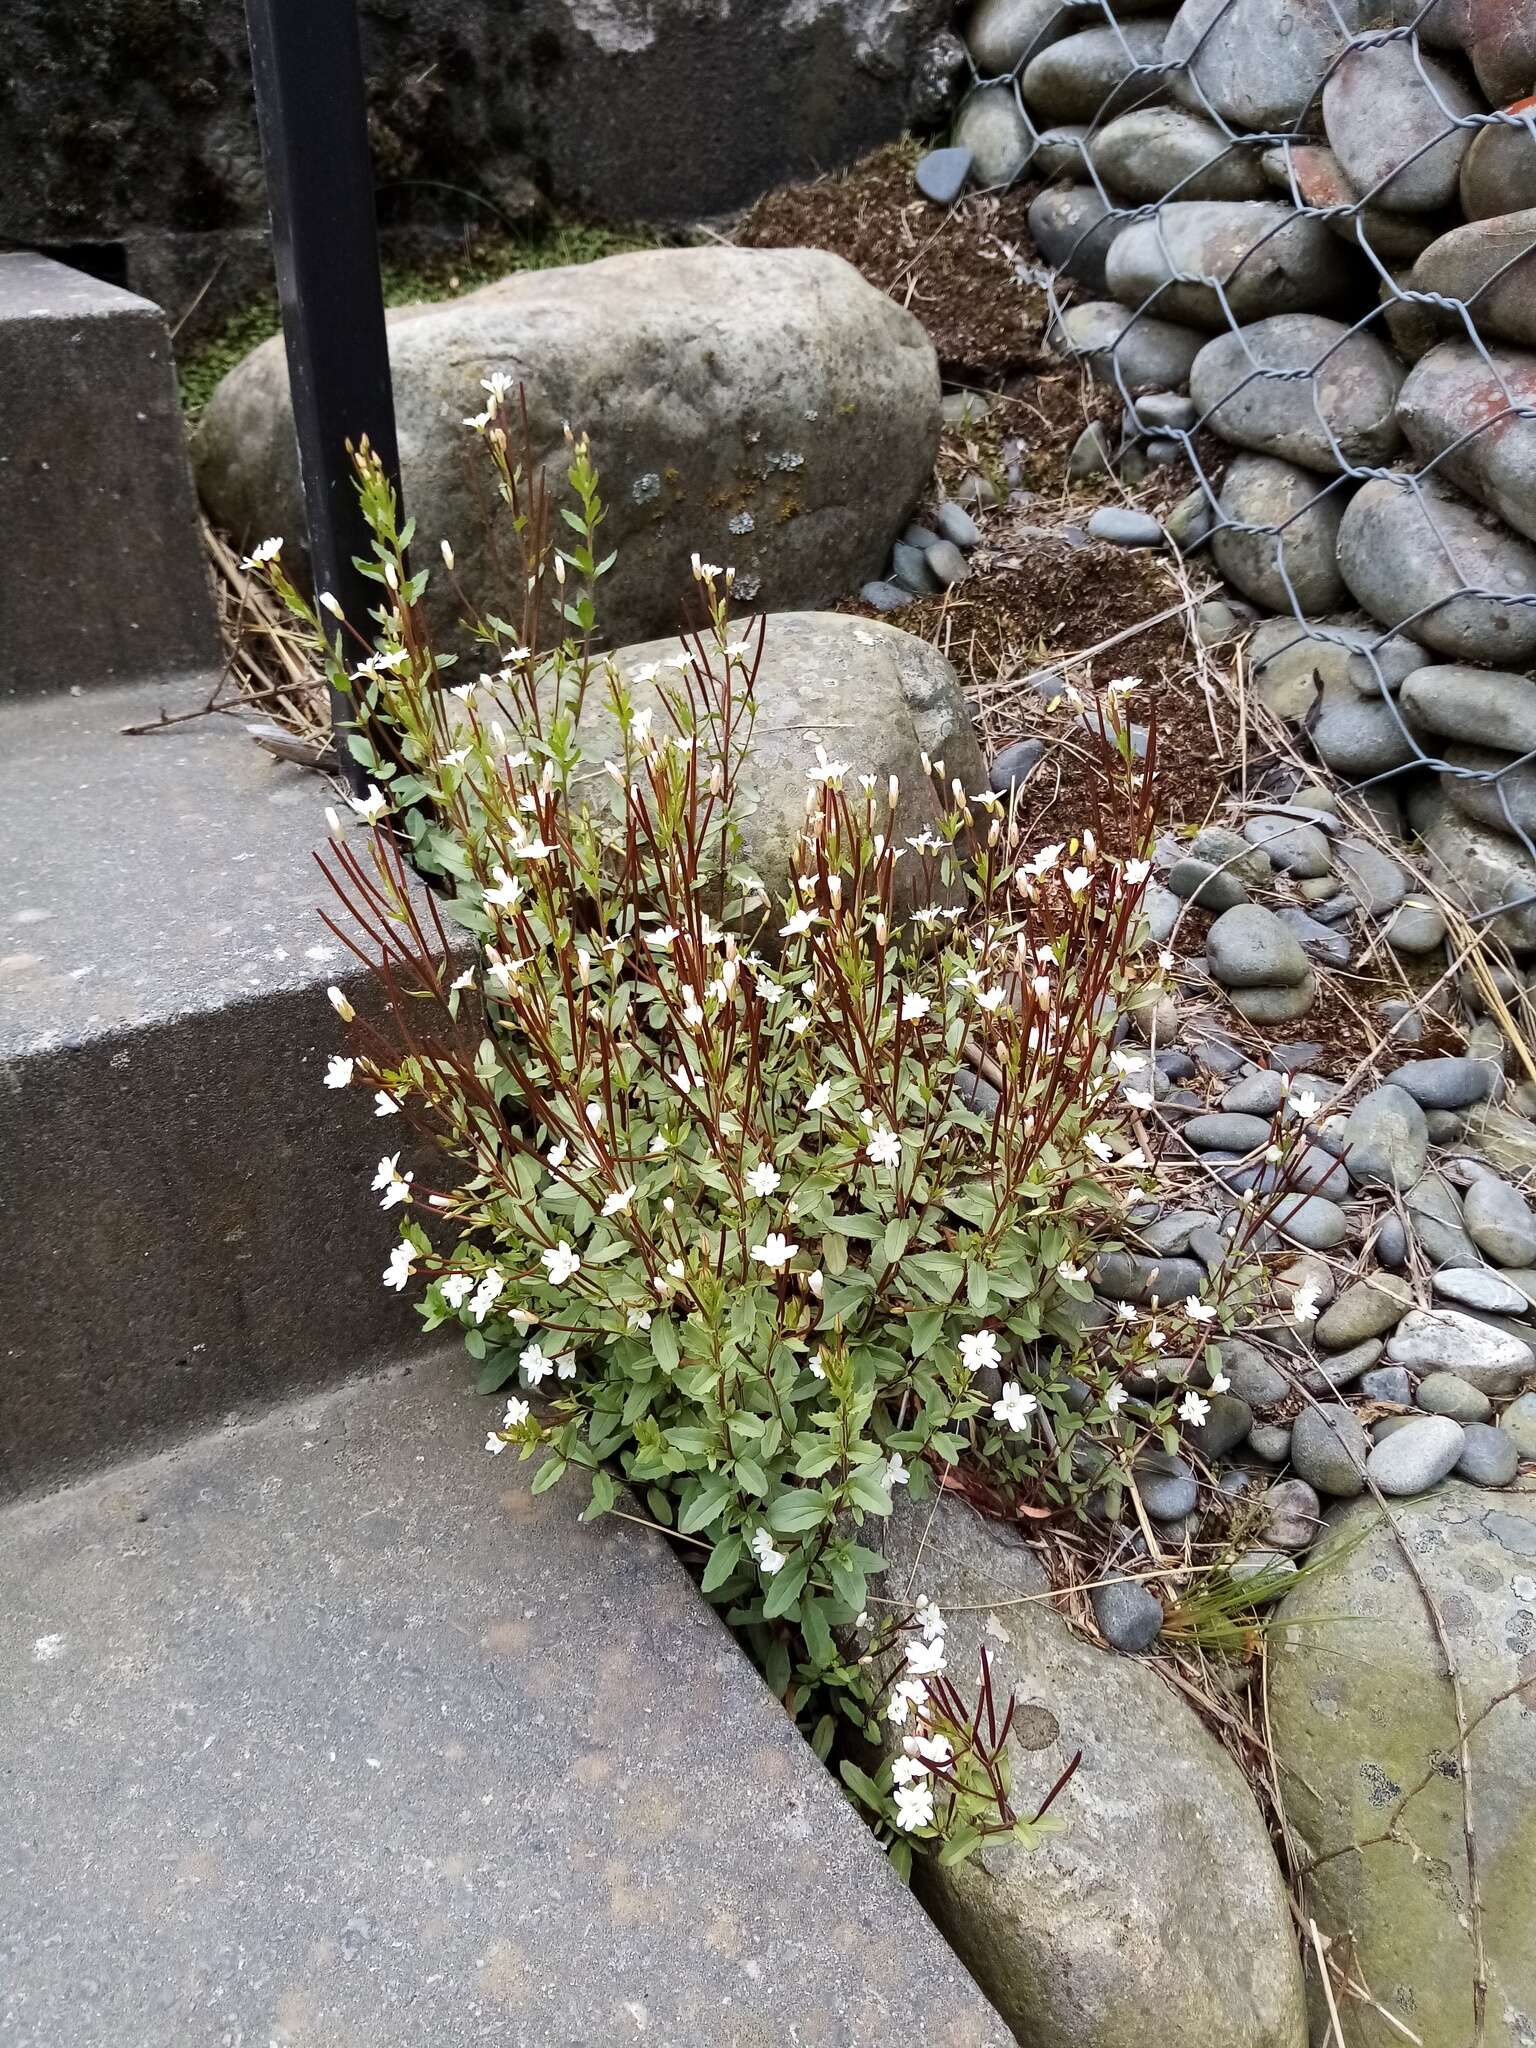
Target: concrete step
324,1731
185,1209
105,578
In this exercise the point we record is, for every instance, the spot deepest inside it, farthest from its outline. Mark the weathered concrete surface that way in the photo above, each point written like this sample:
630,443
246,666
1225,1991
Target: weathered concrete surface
105,578
327,1731
185,1209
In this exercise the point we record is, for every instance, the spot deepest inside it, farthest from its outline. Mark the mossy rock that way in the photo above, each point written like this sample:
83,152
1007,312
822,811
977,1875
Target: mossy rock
1366,1739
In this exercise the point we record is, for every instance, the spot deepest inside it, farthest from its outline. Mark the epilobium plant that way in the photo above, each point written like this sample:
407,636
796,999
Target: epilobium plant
763,1206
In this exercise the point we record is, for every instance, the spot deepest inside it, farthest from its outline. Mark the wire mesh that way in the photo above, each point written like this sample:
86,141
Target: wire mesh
1308,207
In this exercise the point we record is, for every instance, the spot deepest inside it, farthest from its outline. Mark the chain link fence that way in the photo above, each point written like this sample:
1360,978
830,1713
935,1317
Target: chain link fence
1317,219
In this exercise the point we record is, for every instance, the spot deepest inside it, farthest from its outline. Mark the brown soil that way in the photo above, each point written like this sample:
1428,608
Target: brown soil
953,267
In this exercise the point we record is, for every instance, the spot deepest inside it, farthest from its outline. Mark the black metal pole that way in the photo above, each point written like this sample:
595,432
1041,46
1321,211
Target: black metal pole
307,63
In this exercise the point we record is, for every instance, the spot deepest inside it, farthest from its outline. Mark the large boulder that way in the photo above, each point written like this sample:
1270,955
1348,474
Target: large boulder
1391,114
1157,1914
767,408
1257,63
1302,387
1416,554
1459,408
1213,261
1366,1741
872,696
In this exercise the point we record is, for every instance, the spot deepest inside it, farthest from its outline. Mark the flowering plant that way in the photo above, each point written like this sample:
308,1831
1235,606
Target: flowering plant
763,1207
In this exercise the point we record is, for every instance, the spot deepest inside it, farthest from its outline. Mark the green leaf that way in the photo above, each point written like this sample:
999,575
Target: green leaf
862,1786
796,1509
784,1590
818,1636
495,1372
549,1474
664,1343
923,1328
898,1235
723,1560
604,1495
869,1491
714,1491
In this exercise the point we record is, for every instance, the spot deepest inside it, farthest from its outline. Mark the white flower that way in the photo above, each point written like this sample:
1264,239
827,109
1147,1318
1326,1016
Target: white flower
385,1104
455,1288
535,1366
1136,871
816,1282
1115,1399
491,1284
825,770
495,1444
1303,1104
1096,1145
1197,1311
1219,1383
338,1071
762,1180
884,1147
465,980
517,1413
1192,1409
775,1252
370,808
818,1098
1047,858
914,1006
676,1268
1134,1158
1128,1062
768,1558
1304,1302
561,1263
1156,1338
398,1271
990,999
896,1473
1124,1312
565,1365
914,1806
797,1024
928,1617
801,921
1076,879
1014,1407
557,1155
388,1169
661,938
340,1005
978,1351
1138,1098
926,1659
268,551
769,990
683,1079
906,1694
931,1749
1072,1272
619,1201
507,893
398,1191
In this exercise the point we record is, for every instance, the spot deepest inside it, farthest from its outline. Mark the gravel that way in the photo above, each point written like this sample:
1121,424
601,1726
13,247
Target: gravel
1327,1447
1128,1615
1293,1514
1488,1456
1123,528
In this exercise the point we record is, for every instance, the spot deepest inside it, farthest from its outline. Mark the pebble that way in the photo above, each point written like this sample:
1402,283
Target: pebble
1321,392
1385,1140
1250,948
1435,1215
946,564
977,1092
1442,1393
1165,411
1126,1276
910,569
1115,345
1224,1428
1160,907
1189,526
1166,1485
941,174
1311,1221
1445,1125
1375,879
1270,1441
1268,1564
1318,941
1388,1425
1257,1094
1388,1383
956,524
977,490
1253,1379
1293,1515
1270,1006
1498,173
1129,1617
1366,1308
1416,1456
1392,1242
886,597
1148,153
1488,1458
1091,455
1416,927
1476,1287
1088,76
1267,257
992,129
1445,1338
1300,849
1230,850
1518,1423
1013,764
1341,1369
1279,543
1123,528
1062,151
1356,738
1001,33
1445,1083
1213,889
1226,1132
1328,1446
1423,553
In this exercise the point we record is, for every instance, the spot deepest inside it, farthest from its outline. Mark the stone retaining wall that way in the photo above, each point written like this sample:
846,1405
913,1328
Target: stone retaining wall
1318,219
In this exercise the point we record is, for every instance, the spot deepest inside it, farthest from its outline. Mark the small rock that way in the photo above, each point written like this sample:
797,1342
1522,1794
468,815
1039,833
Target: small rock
1318,941
977,490
886,597
1258,1094
1488,1457
1414,550
1278,544
1475,1287
1356,738
1073,227
1250,948
1416,927
1311,1221
1293,1515
1091,454
1166,1485
1518,1423
1230,850
1188,526
1012,767
941,174
1301,850
946,564
910,569
1129,1617
1269,1006
1266,257
1445,1083
1166,411
977,1092
1302,387
1118,345
1416,1456
1427,1339
1226,1426
1270,1441
1253,1379
1435,1215
1385,1139
1126,1276
1213,889
1442,1393
1500,1223
1375,879
956,524
1123,528
1328,1450
1342,1369
992,129
1270,1565
1221,1132
1388,1383
1392,1242
1089,76
1366,1308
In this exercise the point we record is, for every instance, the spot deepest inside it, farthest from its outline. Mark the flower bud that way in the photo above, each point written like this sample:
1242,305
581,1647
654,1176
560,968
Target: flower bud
893,792
340,1005
447,554
332,821
815,1282
331,603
